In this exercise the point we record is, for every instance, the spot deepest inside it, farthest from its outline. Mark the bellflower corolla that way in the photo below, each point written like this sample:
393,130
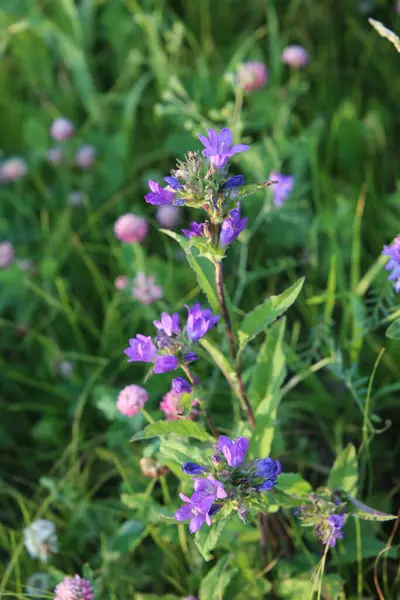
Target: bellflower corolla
141,349
233,182
165,363
232,227
199,322
282,189
195,230
197,512
233,450
218,147
393,252
173,183
180,385
158,195
268,469
170,325
190,468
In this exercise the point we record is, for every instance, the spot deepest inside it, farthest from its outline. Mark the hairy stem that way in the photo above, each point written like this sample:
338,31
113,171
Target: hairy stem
219,280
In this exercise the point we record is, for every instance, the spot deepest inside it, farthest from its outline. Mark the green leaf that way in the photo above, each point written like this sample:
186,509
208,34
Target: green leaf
293,484
362,511
214,583
264,314
128,537
180,428
207,537
173,450
202,267
344,473
264,391
252,188
393,332
224,365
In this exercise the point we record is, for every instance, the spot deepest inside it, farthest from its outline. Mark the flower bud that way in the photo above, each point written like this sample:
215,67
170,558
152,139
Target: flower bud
40,539
13,169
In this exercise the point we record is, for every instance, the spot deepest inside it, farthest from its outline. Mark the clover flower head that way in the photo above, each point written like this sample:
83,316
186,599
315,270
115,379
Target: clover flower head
6,254
61,129
295,56
218,147
252,76
12,169
74,588
145,289
131,400
85,156
130,228
40,539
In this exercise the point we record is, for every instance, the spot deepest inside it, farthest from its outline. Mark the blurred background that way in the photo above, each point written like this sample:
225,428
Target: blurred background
137,81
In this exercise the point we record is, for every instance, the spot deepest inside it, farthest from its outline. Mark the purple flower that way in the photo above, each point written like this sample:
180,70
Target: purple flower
269,469
74,588
141,349
335,523
233,182
170,325
218,147
158,195
165,363
214,509
195,230
181,386
199,322
190,468
233,450
232,227
190,357
393,252
282,189
173,183
207,487
196,511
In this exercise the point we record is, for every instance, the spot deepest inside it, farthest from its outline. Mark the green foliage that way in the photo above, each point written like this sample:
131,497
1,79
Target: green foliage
184,429
393,332
344,473
206,539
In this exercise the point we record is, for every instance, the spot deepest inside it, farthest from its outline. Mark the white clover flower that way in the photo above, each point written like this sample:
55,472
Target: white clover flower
40,539
37,583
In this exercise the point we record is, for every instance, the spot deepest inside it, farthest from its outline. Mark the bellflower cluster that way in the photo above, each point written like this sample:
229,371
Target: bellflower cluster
173,344
393,252
228,479
325,516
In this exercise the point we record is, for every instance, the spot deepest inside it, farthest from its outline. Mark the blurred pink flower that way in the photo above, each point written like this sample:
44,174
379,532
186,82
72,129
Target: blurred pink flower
6,254
55,156
74,588
168,216
131,400
252,76
171,406
61,129
121,282
85,156
295,56
145,289
130,228
13,169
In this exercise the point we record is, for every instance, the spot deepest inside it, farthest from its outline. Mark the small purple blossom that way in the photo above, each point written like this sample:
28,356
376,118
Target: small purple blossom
173,183
233,450
393,252
196,511
282,189
206,487
268,469
165,363
180,385
141,349
218,147
199,322
190,468
233,182
170,325
190,357
195,230
232,227
158,195
335,523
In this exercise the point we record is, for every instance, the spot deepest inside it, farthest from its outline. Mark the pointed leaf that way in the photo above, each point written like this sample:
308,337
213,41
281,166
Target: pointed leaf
214,583
181,428
344,473
207,537
224,365
362,511
393,332
252,188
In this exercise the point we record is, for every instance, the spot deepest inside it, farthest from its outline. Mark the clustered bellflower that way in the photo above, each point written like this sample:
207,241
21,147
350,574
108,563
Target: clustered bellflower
393,252
325,515
229,479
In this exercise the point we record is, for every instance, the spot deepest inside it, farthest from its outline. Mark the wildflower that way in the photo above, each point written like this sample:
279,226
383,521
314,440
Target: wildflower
170,325
333,531
141,349
205,487
232,227
282,189
152,468
145,289
252,76
190,357
233,450
295,56
168,215
195,230
170,405
37,584
130,228
393,252
218,147
40,539
197,512
165,363
6,254
75,199
121,282
181,386
74,588
55,156
65,368
61,129
268,469
173,183
199,322
131,400
13,169
232,182
85,156
190,468
158,195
